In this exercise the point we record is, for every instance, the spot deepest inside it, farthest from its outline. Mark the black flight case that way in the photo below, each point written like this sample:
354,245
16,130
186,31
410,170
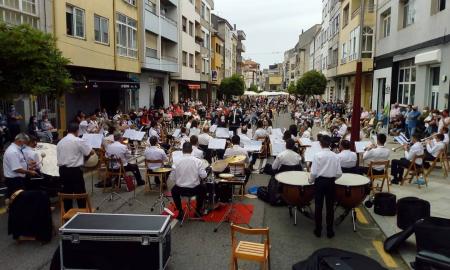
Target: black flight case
115,241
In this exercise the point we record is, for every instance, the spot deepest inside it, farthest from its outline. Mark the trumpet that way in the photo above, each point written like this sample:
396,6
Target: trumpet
428,138
397,148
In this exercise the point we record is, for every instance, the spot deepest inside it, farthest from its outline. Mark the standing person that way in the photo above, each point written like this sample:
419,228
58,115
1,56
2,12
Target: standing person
13,121
235,119
15,167
411,119
398,165
325,169
70,153
187,173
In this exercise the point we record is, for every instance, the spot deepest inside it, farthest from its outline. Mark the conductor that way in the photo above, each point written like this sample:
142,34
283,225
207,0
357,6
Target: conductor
325,169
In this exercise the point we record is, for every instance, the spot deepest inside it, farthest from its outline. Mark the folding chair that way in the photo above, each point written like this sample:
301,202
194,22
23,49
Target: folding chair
112,172
239,167
379,177
442,158
250,251
65,216
415,170
149,173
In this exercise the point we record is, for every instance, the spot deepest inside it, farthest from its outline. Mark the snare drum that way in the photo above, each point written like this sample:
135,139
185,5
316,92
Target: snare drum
351,190
297,191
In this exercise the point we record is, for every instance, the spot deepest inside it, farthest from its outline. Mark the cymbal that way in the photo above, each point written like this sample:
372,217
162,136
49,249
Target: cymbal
226,175
219,166
235,159
162,170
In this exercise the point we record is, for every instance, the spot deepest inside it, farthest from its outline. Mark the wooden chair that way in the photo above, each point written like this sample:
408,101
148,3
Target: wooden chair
112,172
65,216
264,148
250,251
442,158
239,167
149,173
414,170
379,177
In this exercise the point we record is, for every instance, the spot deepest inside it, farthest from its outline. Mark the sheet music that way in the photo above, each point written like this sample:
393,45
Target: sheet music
134,135
217,144
305,141
277,132
277,145
176,156
222,133
195,132
231,133
252,146
212,128
401,140
360,146
176,133
128,133
94,140
311,151
249,132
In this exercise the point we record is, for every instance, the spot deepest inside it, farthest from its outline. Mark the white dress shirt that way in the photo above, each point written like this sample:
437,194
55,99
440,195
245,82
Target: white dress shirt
197,152
259,133
244,139
155,153
70,151
435,148
14,159
204,138
187,171
83,128
92,127
194,131
307,134
153,132
287,157
377,154
347,159
342,130
118,150
32,155
236,150
325,164
415,150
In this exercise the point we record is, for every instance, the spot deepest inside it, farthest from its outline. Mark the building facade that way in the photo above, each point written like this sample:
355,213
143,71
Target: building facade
412,62
217,63
252,73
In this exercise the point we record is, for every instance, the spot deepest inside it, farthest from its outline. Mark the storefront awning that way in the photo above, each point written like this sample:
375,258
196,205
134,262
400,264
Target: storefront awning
192,86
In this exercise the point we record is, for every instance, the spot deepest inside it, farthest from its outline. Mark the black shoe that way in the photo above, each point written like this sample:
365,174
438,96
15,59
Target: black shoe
180,215
330,234
395,181
140,184
317,233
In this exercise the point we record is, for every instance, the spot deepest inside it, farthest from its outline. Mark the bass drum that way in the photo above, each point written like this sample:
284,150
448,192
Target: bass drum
351,190
300,195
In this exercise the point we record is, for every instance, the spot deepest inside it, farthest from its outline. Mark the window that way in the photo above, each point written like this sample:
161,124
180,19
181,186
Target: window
184,24
367,42
208,14
12,3
131,2
191,29
185,59
126,33
386,23
441,5
29,6
407,7
354,44
406,82
75,21
371,6
203,11
191,60
101,29
344,53
437,6
345,15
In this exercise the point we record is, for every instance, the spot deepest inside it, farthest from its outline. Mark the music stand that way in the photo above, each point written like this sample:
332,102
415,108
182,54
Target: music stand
231,210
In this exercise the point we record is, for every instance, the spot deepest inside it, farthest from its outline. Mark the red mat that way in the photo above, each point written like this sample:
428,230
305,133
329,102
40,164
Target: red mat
241,215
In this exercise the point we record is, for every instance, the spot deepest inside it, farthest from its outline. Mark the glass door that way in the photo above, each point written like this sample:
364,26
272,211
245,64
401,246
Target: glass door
434,87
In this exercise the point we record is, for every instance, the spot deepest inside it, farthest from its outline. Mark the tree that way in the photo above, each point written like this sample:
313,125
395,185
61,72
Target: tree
253,88
30,63
292,88
232,86
311,83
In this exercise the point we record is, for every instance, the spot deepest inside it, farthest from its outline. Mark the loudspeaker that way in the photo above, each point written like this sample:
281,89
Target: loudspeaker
433,235
411,209
385,204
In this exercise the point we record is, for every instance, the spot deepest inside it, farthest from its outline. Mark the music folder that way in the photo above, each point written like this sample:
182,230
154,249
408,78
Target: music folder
217,144
94,140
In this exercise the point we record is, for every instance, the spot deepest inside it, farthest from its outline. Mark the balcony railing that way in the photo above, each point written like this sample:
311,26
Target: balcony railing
356,12
169,20
150,6
170,58
152,53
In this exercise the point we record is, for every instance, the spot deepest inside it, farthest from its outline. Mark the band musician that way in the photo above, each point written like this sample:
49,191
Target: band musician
398,165
376,153
347,158
187,172
153,152
434,147
288,158
237,150
325,169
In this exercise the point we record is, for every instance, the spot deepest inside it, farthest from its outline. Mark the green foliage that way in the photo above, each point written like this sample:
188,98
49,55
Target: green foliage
253,88
232,86
292,88
30,63
311,83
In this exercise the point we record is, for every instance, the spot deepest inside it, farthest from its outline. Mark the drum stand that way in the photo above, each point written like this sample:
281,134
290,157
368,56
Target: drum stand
161,201
230,212
341,218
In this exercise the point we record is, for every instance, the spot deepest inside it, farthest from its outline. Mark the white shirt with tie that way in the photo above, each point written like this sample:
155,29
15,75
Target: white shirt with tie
342,130
71,150
288,158
155,153
377,154
347,159
325,164
187,171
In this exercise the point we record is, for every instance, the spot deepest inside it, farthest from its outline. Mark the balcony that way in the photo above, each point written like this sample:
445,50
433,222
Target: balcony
240,47
166,64
241,35
172,2
204,51
199,37
356,12
151,53
169,29
151,21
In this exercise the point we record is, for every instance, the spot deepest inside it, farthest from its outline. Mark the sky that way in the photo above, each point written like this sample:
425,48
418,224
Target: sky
271,26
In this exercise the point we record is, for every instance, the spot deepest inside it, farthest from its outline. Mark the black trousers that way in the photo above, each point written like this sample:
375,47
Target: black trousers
365,170
428,156
199,192
73,183
398,167
13,185
324,190
134,168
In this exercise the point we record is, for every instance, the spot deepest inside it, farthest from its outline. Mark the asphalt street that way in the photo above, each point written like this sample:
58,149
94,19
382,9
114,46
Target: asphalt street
196,246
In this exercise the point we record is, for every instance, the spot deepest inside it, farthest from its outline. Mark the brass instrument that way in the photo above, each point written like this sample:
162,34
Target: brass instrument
401,146
429,138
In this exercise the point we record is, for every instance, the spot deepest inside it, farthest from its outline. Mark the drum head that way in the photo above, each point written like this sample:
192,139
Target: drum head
294,178
349,179
205,164
219,166
91,162
226,175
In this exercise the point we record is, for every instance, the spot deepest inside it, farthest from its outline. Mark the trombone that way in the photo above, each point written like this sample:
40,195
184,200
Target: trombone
401,146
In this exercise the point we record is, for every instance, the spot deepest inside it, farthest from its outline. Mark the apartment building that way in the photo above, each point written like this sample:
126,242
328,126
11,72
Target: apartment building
275,77
234,44
289,65
159,54
302,49
217,63
350,49
240,49
225,32
333,16
412,61
251,72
